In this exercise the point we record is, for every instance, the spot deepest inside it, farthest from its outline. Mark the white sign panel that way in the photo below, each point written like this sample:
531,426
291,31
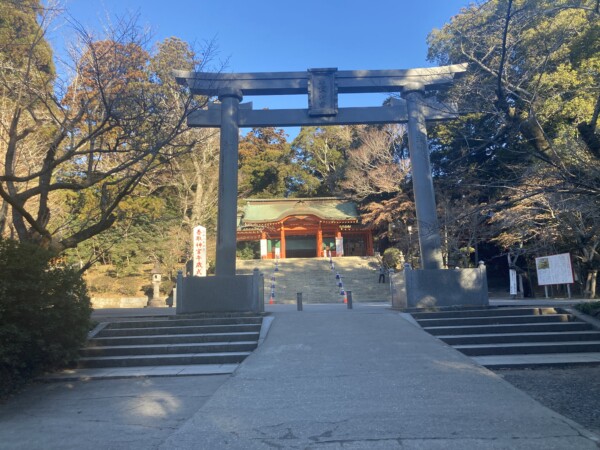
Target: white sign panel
199,251
339,246
554,269
513,281
263,248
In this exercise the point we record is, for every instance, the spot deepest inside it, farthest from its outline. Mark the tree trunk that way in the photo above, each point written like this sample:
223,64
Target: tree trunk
3,216
521,288
590,284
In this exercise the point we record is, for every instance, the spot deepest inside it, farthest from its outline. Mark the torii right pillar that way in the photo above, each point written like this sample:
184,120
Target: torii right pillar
431,286
429,236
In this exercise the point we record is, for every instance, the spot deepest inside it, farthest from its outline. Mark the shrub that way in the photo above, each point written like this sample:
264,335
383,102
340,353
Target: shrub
392,258
44,313
248,250
589,308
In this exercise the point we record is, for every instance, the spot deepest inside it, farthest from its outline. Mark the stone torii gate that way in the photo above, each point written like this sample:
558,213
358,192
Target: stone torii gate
322,87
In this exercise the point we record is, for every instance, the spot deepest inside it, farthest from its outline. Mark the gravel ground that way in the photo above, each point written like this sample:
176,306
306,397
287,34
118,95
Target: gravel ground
573,392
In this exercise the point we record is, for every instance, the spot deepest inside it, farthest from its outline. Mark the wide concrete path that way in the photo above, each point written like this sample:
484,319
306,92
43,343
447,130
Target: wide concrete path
324,378
334,378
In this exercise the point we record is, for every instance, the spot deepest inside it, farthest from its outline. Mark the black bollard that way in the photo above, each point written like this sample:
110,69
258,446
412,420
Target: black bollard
349,297
299,300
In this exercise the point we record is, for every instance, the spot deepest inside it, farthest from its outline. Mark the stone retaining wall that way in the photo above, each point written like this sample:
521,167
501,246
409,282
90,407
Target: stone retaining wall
120,302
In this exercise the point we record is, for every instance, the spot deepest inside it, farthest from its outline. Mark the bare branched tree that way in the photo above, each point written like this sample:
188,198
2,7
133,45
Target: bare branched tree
74,147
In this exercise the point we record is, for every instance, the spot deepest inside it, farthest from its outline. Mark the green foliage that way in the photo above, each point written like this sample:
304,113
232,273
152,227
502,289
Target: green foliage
248,250
392,258
522,169
265,168
322,154
21,38
44,313
589,308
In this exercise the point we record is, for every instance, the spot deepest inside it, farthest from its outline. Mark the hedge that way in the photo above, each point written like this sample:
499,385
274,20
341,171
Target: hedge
44,314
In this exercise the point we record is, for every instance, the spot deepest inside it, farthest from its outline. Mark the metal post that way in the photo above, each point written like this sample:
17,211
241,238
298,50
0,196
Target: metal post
299,300
228,182
349,297
429,236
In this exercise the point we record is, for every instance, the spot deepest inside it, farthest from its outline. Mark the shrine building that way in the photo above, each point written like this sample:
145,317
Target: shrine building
304,227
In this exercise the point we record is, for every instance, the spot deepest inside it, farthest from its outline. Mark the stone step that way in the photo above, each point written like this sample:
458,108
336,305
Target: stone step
173,339
545,360
509,328
203,329
163,360
176,322
169,349
491,312
436,309
506,338
317,282
463,321
529,348
115,373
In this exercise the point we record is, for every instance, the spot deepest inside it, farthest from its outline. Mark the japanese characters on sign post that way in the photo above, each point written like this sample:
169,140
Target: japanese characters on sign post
199,251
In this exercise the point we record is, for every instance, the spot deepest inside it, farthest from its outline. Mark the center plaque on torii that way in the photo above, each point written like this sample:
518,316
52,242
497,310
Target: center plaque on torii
322,87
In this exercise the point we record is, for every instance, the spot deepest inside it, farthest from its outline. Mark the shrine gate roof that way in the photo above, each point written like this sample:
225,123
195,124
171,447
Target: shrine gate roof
273,210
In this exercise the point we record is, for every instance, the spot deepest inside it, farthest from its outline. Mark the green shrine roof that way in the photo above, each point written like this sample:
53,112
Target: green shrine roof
273,210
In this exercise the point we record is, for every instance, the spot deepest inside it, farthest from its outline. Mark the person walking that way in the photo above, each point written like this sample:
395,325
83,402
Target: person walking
381,274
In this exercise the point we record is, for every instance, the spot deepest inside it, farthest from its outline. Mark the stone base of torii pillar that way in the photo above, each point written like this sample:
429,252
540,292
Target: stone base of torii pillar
427,288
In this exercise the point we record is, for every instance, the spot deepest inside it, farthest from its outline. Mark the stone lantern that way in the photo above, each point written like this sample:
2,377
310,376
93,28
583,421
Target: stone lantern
156,279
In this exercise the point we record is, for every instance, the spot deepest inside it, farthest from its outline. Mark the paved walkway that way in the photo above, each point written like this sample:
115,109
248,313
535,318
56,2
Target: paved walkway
324,378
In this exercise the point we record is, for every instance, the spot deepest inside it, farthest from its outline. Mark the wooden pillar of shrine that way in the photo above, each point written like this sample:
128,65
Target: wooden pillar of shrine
369,243
282,243
319,241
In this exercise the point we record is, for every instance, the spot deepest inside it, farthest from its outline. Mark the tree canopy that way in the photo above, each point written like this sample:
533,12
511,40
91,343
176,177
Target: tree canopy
74,148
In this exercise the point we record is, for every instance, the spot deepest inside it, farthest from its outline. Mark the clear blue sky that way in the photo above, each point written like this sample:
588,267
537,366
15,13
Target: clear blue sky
284,35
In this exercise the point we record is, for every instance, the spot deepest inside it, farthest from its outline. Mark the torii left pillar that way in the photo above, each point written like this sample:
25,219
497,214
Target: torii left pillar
228,182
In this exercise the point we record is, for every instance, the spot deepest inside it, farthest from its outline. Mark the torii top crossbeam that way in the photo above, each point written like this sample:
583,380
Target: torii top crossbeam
322,87
346,81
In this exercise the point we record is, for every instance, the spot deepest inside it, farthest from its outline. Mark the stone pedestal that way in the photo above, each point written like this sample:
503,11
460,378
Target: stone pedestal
156,302
237,293
439,288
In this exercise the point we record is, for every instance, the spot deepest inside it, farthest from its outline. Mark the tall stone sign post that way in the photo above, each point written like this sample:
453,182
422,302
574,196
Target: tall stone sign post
423,287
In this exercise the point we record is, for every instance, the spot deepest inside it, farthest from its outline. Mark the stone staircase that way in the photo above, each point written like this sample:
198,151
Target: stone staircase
172,341
515,337
317,282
